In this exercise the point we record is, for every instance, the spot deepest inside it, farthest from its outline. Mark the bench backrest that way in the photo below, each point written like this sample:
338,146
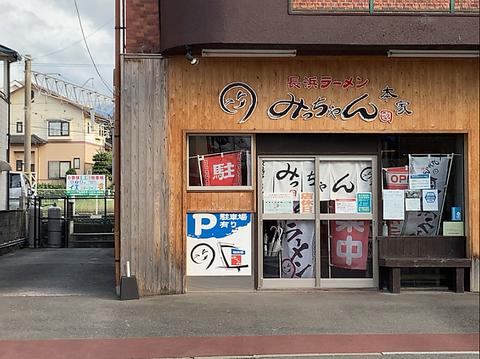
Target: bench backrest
422,247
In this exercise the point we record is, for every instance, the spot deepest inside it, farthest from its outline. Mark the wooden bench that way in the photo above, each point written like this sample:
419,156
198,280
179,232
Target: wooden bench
395,253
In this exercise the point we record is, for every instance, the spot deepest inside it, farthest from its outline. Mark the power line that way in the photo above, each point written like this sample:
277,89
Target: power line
74,43
66,64
88,49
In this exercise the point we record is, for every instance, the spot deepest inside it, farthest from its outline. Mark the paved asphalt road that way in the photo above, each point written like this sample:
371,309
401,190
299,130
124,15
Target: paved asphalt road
68,294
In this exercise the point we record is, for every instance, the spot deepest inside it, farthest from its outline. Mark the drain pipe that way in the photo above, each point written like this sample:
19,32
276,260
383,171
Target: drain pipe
116,144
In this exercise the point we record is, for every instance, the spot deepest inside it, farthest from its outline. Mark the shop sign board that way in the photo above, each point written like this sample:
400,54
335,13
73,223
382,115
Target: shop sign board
85,185
219,244
239,98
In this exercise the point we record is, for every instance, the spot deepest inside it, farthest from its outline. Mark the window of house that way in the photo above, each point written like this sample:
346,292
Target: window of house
76,163
58,128
58,169
89,127
18,165
19,127
32,167
219,161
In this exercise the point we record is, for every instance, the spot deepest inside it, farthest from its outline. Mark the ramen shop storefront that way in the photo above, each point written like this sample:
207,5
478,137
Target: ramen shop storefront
296,173
293,175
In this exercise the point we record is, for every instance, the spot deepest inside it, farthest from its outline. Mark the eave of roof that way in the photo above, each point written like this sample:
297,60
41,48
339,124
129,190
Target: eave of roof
10,54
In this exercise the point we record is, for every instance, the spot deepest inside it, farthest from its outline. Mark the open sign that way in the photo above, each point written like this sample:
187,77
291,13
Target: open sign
397,177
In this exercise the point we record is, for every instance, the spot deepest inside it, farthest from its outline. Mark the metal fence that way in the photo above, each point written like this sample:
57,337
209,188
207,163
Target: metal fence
61,221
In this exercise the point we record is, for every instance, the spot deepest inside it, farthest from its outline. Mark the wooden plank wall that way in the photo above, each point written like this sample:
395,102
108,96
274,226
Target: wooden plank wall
145,205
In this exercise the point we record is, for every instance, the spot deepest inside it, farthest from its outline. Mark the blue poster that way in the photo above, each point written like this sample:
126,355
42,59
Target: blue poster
364,202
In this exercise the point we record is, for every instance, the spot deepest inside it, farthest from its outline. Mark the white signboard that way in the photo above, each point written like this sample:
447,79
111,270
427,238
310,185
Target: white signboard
393,204
219,244
85,185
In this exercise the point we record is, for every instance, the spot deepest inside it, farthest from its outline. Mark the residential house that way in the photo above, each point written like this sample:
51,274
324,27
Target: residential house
65,134
7,56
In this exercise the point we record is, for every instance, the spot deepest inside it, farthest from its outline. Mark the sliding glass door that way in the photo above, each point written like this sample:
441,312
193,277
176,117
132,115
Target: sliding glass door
316,222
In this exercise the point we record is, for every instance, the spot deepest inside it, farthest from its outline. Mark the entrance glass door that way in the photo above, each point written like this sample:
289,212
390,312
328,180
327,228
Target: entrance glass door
287,235
316,222
347,215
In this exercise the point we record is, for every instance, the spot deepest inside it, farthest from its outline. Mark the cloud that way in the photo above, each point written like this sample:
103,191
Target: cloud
49,31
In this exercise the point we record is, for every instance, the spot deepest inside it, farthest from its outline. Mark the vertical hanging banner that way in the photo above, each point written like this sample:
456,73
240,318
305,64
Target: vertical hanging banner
349,244
224,169
298,251
427,222
219,244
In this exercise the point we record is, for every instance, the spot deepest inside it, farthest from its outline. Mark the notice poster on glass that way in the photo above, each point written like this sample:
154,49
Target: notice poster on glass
413,200
219,244
430,200
306,202
346,205
393,204
419,181
364,202
278,203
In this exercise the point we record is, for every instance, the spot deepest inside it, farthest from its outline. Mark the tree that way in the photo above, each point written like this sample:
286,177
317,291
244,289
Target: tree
71,171
102,164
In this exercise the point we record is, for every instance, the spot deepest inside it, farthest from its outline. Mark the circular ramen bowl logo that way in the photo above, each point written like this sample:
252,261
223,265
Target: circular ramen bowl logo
238,97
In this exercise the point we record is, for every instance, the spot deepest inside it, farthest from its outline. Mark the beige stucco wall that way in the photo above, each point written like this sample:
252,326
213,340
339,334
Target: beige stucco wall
57,152
79,144
45,108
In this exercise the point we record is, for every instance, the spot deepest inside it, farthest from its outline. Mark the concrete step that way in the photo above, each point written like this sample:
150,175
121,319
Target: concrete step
91,243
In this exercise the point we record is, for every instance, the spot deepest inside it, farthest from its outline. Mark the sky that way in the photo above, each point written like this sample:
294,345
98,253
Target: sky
49,31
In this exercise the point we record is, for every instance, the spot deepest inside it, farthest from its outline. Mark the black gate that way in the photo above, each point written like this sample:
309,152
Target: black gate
72,222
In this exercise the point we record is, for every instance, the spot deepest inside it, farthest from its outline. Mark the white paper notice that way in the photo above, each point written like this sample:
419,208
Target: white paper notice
393,204
413,200
430,200
412,204
346,205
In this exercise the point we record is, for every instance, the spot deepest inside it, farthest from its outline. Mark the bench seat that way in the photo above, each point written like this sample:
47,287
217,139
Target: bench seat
396,253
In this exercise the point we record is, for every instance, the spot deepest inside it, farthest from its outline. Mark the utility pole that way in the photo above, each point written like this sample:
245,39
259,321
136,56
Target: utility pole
27,150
